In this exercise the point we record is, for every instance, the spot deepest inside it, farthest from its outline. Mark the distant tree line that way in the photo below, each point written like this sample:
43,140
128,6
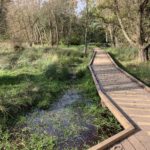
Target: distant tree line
113,22
39,21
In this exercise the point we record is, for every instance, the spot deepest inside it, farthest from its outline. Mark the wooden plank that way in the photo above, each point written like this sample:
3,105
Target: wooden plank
134,112
136,109
145,129
129,75
118,147
141,119
146,116
143,123
127,145
143,138
119,95
114,139
129,128
129,94
131,99
134,104
144,107
135,91
136,143
139,90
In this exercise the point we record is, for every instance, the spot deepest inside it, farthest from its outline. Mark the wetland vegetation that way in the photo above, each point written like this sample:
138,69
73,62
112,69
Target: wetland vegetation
49,101
127,58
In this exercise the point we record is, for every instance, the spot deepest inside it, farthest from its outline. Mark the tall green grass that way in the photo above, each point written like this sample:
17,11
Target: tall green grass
128,59
36,78
32,78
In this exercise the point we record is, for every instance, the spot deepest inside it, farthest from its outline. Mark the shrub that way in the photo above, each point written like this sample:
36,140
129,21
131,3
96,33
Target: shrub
74,40
44,104
70,53
17,44
81,71
124,53
57,71
47,49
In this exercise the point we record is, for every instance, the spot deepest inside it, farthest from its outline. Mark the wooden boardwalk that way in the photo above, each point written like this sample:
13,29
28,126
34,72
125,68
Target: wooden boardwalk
130,97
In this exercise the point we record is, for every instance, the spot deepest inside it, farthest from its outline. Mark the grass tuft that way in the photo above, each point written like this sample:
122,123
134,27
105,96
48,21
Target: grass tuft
34,79
127,58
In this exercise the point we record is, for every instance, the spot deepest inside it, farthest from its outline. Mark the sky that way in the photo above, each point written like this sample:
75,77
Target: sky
80,6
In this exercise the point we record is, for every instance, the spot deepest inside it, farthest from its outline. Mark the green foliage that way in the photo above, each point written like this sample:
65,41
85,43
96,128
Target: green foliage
25,84
75,39
20,141
41,142
102,118
81,70
124,53
57,71
86,84
140,71
36,80
127,58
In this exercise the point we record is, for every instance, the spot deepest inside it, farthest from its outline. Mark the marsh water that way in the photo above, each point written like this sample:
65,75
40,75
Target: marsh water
66,121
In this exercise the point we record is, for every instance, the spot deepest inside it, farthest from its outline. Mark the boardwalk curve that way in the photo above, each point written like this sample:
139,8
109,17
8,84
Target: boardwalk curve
127,98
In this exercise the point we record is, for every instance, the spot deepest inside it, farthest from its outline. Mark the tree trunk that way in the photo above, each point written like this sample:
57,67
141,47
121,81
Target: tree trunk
116,42
143,53
86,27
117,12
69,32
86,45
143,50
106,36
112,35
57,35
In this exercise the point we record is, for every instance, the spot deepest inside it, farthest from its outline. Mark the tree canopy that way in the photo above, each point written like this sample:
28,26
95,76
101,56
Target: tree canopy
113,22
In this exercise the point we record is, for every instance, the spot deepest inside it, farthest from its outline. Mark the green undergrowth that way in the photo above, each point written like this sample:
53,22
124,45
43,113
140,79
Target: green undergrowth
127,58
106,123
34,79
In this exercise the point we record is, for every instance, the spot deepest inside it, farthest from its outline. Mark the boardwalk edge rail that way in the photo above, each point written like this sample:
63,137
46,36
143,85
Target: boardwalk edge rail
123,120
129,75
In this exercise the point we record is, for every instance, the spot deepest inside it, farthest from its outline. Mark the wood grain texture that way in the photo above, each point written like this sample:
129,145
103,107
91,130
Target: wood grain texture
127,98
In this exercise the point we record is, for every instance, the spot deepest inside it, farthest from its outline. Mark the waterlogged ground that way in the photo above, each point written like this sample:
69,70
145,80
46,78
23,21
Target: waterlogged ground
66,121
34,117
74,122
